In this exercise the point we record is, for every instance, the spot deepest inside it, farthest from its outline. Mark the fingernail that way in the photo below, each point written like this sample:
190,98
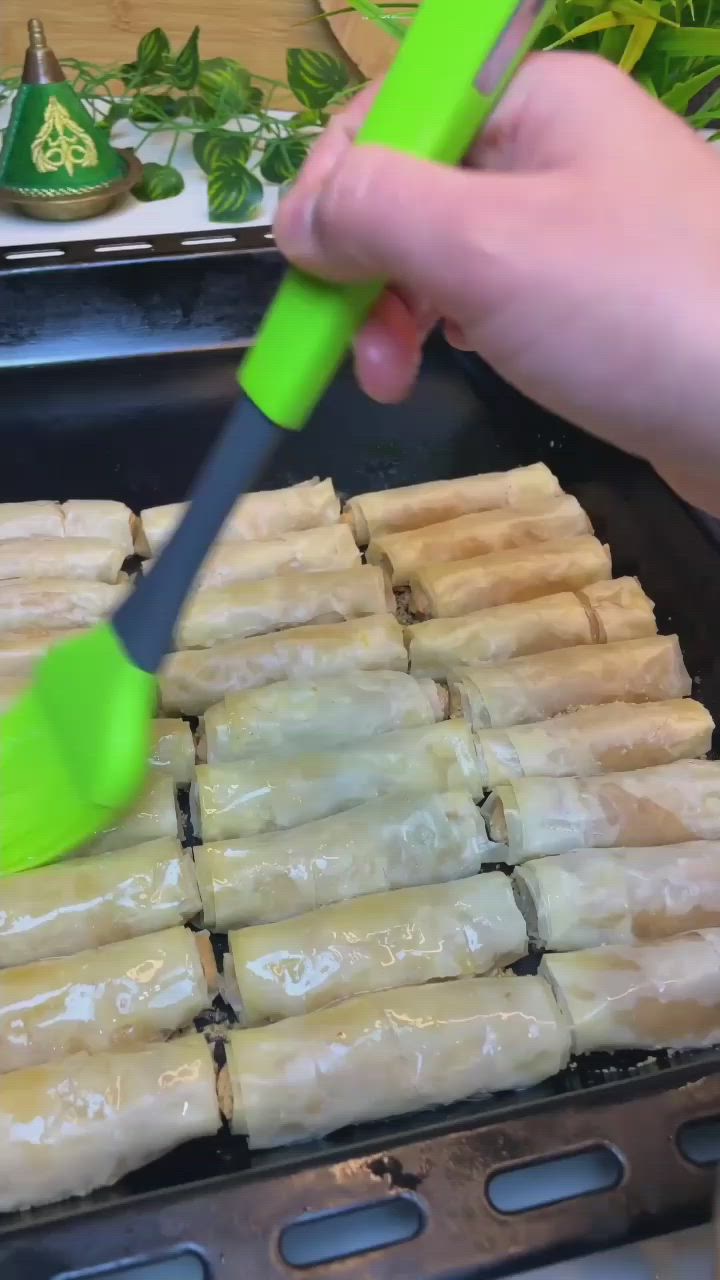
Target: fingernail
293,225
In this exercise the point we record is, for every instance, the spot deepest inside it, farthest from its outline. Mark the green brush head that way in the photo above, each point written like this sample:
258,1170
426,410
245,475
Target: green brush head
73,749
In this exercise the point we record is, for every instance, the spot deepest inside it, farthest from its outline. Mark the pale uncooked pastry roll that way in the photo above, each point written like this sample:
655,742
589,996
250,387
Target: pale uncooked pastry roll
257,515
102,999
587,899
403,554
256,608
415,505
665,804
619,610
20,650
503,577
272,793
662,995
153,815
385,844
303,551
382,1055
398,939
596,740
285,717
88,559
88,902
69,1127
52,604
78,518
173,750
526,690
195,679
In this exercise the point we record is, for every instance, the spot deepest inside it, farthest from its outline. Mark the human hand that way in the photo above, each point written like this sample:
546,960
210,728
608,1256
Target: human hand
578,253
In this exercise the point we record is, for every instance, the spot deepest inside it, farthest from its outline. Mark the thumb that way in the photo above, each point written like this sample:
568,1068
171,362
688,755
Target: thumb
441,233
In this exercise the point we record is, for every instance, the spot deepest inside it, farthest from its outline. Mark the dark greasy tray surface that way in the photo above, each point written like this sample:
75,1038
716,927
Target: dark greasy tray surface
136,429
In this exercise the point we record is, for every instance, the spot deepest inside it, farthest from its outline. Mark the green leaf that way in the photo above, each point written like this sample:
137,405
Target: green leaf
186,67
117,111
679,97
601,22
218,144
224,84
689,42
638,41
154,108
196,108
256,99
234,193
385,21
152,50
158,182
315,77
283,158
642,10
308,120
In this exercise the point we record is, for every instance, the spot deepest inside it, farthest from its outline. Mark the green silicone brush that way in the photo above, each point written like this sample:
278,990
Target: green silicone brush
73,748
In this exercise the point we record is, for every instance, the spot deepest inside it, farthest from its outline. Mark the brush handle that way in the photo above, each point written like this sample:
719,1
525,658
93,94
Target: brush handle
451,69
146,620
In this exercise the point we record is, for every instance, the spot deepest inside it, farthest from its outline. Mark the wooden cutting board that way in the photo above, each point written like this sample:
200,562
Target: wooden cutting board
371,49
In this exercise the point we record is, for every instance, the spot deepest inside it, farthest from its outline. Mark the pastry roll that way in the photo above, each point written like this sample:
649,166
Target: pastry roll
303,551
152,816
662,995
586,899
415,505
193,680
88,902
257,515
271,793
283,718
382,1055
665,804
52,604
384,940
173,750
596,740
256,608
85,559
525,690
141,989
447,590
78,518
69,1127
403,554
391,843
20,650
603,611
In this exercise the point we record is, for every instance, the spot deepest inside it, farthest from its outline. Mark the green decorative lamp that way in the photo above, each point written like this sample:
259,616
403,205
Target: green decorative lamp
55,162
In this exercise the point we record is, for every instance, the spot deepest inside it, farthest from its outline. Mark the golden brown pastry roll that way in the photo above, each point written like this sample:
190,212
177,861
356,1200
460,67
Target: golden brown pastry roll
78,518
256,608
152,816
271,793
665,804
85,559
173,750
70,1127
415,505
587,899
447,590
195,679
132,991
52,604
596,740
525,690
302,551
391,843
20,650
257,515
403,554
662,995
401,1051
398,939
88,902
283,718
619,610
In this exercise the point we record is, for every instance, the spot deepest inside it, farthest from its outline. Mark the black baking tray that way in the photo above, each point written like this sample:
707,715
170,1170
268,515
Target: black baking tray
113,383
